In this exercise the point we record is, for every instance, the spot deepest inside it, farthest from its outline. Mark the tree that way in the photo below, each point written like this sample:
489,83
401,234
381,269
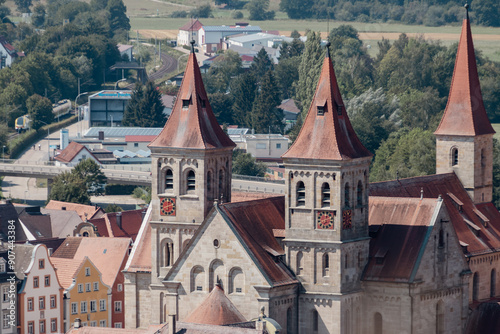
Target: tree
40,111
421,108
23,6
222,105
258,10
145,108
406,153
245,164
266,116
68,187
261,63
113,208
487,12
202,11
309,70
90,172
496,173
297,9
3,136
118,19
243,90
292,49
38,16
287,76
222,71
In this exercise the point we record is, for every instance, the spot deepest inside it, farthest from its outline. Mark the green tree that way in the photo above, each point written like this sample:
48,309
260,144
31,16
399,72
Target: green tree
266,116
287,76
68,187
90,172
421,108
297,9
486,12
292,49
496,173
38,16
245,164
258,10
40,111
243,91
406,153
3,137
118,19
145,108
220,74
23,6
309,70
261,63
113,208
202,11
222,105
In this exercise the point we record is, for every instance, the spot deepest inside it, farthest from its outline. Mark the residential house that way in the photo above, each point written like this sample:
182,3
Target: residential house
125,224
109,255
73,154
86,297
8,290
84,211
188,32
8,54
290,113
126,51
211,38
40,296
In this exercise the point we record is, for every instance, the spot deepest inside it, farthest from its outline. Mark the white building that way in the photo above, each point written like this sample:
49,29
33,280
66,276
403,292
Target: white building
189,32
7,53
211,38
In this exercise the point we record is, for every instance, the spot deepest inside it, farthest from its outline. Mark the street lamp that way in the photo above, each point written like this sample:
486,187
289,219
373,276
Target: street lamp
116,84
77,111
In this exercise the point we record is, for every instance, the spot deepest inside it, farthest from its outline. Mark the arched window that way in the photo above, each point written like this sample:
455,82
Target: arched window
326,265
221,183
236,281
299,263
325,195
169,180
346,195
216,274
85,234
197,278
289,321
301,194
475,287
377,323
191,182
209,185
493,283
315,320
454,156
167,254
359,194
440,317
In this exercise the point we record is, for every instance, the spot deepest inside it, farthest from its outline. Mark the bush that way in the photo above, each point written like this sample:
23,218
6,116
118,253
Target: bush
179,14
237,15
202,11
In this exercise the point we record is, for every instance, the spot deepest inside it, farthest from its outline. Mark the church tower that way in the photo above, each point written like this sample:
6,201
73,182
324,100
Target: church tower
464,138
326,212
191,168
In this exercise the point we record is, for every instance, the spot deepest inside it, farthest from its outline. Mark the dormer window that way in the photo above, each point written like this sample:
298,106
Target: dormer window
320,110
186,103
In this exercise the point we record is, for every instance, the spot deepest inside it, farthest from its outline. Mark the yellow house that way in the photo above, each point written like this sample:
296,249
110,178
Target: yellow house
86,297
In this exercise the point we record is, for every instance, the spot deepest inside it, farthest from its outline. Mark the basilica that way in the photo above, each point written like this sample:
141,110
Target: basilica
335,254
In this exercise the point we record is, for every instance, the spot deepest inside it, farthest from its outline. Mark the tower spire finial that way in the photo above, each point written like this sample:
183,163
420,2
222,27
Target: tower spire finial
192,45
466,6
328,49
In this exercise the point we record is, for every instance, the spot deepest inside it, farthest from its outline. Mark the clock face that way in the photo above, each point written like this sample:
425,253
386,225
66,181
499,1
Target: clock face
346,220
167,206
324,220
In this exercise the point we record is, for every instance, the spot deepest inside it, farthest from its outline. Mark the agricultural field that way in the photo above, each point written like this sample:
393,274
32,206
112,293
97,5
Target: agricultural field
150,19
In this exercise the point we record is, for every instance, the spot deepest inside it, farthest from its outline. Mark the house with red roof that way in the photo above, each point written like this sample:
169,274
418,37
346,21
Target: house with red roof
189,32
73,154
336,254
8,54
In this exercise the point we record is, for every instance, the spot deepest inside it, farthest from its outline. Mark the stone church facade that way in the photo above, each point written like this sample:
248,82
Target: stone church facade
335,254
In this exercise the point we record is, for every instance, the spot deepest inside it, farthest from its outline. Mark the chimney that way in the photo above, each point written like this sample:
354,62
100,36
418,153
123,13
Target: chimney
119,219
171,324
77,323
101,135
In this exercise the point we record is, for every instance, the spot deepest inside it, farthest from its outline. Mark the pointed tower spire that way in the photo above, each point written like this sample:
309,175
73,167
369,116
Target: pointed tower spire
327,133
192,124
465,114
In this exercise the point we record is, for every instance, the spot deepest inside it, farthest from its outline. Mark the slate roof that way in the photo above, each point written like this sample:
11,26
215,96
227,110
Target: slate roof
39,225
107,254
477,235
465,114
194,126
62,222
81,209
192,26
327,136
24,254
7,213
216,309
254,222
403,226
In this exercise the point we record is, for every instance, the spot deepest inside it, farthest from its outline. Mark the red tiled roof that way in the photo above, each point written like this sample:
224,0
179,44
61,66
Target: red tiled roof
289,105
195,126
216,309
192,26
70,152
255,221
68,248
138,138
66,269
130,223
404,226
81,209
329,136
141,258
465,114
485,239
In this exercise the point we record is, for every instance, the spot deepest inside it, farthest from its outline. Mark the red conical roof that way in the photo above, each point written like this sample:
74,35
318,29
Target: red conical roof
216,309
327,136
192,123
465,114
